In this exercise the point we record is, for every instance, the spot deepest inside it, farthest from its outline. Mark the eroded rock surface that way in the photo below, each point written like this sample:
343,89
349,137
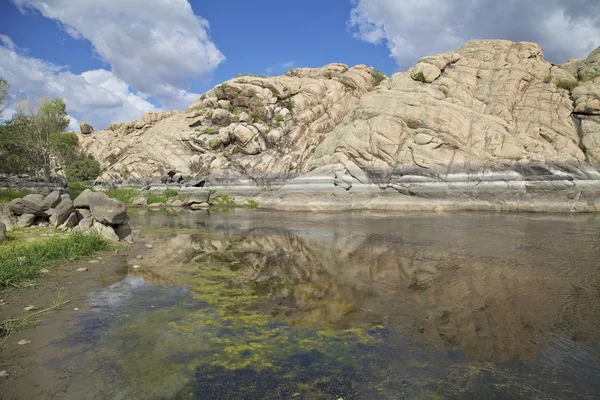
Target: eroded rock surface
245,125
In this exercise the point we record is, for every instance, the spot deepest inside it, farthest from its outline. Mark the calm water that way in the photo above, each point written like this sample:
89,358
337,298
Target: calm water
267,305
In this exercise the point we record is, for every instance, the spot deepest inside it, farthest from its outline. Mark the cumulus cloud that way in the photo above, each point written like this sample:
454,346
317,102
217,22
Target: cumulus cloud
97,96
413,28
156,47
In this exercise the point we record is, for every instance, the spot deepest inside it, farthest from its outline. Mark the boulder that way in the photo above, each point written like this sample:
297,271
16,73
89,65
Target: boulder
85,128
83,213
71,222
25,220
105,231
62,212
7,218
139,201
27,205
51,201
86,223
197,198
177,178
106,210
177,203
123,231
2,231
64,196
82,201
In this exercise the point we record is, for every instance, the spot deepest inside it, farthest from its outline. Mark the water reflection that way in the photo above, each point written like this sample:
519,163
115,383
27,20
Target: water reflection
256,305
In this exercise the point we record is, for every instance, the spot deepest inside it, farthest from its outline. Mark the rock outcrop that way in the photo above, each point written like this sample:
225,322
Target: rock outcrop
242,126
492,120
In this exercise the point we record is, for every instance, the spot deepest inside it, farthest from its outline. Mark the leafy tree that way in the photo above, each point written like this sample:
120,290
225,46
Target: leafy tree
84,168
34,135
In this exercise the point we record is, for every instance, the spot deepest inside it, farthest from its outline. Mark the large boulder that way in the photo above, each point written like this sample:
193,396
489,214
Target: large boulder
82,201
2,231
7,217
106,210
123,231
62,212
30,204
85,128
51,201
105,231
197,198
25,220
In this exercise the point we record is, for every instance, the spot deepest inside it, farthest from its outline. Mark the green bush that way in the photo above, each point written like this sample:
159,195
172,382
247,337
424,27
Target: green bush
378,77
22,260
84,168
568,84
124,195
6,195
279,118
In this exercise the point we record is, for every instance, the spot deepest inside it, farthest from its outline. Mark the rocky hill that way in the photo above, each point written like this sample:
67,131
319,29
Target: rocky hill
492,120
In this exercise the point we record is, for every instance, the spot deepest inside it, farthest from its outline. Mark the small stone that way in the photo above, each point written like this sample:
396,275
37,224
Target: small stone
76,309
30,308
149,246
44,271
3,374
136,267
84,269
100,258
23,342
139,257
93,261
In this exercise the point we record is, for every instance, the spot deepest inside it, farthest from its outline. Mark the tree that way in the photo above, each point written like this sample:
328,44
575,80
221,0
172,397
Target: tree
36,133
4,88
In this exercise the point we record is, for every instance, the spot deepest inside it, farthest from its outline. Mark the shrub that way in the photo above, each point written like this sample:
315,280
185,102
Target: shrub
84,168
287,103
255,117
568,84
378,77
279,118
548,78
209,131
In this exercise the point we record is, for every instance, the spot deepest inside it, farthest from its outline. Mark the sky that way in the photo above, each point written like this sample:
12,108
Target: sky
114,60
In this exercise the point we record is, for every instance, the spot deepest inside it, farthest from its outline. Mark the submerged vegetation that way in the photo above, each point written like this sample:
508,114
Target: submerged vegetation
21,260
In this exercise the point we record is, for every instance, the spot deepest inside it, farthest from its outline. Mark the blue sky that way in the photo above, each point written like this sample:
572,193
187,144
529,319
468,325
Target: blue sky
116,59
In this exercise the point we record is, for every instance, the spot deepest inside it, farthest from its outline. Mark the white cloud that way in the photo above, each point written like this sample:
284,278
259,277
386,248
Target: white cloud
155,46
97,96
280,68
414,28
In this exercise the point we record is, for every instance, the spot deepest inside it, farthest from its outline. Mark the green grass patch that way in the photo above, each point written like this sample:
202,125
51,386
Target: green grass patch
124,195
222,200
568,84
22,260
156,198
6,195
171,193
75,188
251,204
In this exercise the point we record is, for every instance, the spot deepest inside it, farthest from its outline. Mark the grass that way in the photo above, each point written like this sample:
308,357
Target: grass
124,195
251,204
157,198
278,118
10,326
6,195
222,200
75,188
568,84
171,193
22,260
